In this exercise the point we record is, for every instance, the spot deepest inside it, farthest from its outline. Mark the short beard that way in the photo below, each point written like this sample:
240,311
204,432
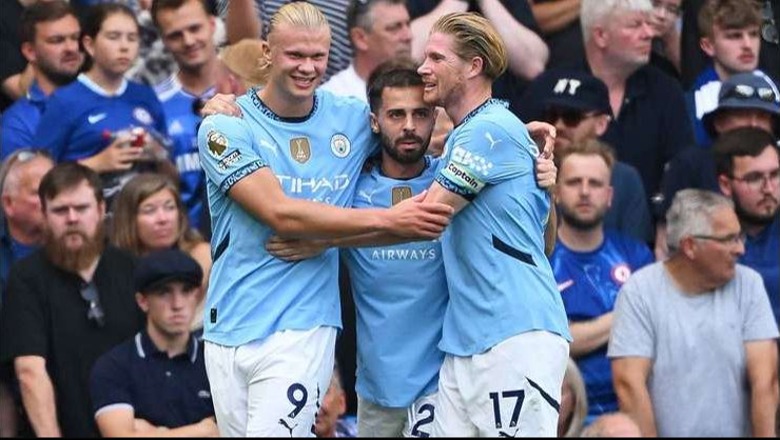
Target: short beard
410,158
75,261
753,219
578,223
57,77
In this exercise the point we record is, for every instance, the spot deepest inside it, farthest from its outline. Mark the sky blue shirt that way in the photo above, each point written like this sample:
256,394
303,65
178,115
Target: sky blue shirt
400,297
252,294
178,106
589,283
499,279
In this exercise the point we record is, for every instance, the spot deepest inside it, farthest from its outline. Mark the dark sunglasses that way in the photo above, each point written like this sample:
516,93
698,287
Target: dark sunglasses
95,313
570,117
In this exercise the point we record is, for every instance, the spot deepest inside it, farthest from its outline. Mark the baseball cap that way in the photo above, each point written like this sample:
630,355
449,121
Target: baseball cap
156,269
244,58
754,90
578,90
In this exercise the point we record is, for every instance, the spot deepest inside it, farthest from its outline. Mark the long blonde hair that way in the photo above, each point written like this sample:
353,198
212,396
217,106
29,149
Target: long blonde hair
124,224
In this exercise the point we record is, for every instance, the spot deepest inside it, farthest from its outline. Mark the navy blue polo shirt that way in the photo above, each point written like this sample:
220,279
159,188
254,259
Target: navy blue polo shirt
170,392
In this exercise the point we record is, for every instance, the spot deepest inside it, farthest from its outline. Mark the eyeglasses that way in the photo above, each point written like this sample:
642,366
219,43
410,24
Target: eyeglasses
757,180
732,239
673,10
768,28
95,313
570,117
744,91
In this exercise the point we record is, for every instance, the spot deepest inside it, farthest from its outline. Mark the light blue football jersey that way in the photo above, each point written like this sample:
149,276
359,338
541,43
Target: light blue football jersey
499,279
252,294
400,296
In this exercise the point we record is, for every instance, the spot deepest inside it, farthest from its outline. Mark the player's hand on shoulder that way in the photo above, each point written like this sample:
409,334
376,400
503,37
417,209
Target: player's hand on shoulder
546,172
222,104
543,135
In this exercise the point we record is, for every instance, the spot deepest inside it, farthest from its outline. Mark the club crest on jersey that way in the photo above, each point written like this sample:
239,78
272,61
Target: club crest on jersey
300,149
340,145
217,143
620,273
401,193
142,115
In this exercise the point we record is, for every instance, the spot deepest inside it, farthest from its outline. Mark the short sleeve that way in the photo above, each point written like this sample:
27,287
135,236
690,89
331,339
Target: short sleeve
226,151
109,383
483,154
758,321
24,325
632,331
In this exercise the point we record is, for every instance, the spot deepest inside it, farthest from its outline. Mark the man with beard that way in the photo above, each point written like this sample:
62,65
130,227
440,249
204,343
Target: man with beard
748,171
697,321
50,41
591,263
67,304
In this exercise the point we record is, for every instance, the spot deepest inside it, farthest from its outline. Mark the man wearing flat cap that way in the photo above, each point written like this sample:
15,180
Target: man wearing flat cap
155,383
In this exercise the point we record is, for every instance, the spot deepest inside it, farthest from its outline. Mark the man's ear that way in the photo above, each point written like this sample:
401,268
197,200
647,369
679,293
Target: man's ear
142,301
705,43
28,52
374,123
359,38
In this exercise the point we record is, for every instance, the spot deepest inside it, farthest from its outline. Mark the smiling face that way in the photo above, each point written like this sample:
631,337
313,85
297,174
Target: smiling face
443,71
299,57
188,34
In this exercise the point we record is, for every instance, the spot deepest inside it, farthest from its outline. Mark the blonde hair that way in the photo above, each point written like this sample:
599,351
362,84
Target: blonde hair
248,60
124,226
590,147
298,14
573,379
475,37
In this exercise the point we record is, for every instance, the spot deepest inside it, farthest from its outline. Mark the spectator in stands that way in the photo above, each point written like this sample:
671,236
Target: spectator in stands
67,304
748,168
612,425
379,31
330,420
745,100
149,216
13,74
650,124
99,116
187,31
666,41
694,59
50,34
591,263
155,383
697,321
239,68
730,37
574,402
577,104
22,226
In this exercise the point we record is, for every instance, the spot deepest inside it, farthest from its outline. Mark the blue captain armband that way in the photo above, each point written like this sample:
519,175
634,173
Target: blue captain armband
460,180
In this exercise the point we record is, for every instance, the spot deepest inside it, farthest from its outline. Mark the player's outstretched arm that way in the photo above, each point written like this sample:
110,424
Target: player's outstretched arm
296,218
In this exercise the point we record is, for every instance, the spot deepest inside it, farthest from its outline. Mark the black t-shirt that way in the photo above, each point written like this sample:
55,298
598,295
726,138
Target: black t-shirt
11,59
567,48
46,316
508,86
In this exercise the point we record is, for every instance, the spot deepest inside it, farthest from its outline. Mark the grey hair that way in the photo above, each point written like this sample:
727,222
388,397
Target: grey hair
691,213
595,12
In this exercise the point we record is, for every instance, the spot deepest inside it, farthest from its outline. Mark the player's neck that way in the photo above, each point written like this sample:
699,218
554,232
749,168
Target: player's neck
581,240
109,83
199,79
173,345
396,170
285,105
472,96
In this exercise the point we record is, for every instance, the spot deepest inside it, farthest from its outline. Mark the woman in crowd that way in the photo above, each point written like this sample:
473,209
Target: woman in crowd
149,215
102,120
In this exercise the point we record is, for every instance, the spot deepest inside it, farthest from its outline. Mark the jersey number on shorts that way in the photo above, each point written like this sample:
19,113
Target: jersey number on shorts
293,392
427,408
518,395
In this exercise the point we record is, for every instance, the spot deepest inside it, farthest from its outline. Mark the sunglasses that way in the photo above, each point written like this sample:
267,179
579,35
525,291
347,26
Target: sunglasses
89,293
570,117
744,91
